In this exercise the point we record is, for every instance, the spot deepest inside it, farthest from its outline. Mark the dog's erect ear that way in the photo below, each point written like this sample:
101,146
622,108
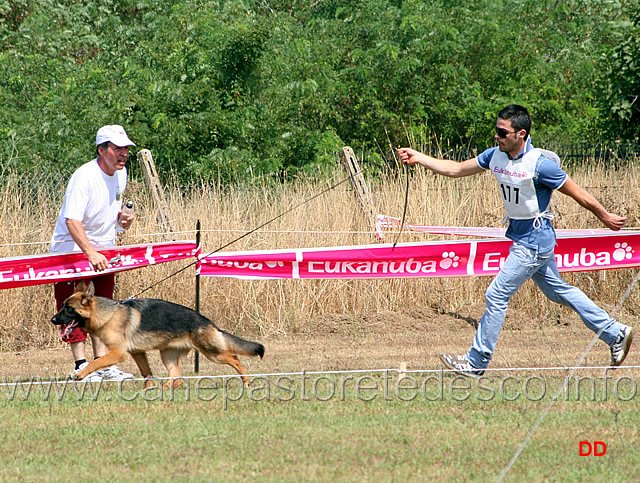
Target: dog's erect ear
81,286
87,293
90,290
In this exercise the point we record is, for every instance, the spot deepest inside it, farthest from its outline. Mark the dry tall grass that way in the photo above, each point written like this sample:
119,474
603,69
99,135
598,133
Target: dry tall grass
270,308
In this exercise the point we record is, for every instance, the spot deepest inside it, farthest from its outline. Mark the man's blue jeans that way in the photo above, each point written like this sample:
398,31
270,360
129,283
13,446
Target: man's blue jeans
522,264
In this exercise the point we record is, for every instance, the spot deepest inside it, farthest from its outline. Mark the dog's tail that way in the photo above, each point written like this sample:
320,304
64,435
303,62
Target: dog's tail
243,347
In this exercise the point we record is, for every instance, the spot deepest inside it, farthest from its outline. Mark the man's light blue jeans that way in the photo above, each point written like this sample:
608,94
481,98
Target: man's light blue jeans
521,265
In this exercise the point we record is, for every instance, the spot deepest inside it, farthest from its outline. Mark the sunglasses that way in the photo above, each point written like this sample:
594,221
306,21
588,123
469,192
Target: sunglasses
502,133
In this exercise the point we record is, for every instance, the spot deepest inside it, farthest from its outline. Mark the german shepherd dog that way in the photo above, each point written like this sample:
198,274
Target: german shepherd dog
139,325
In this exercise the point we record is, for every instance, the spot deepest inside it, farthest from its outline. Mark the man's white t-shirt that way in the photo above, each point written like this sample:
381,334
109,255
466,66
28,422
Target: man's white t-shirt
93,198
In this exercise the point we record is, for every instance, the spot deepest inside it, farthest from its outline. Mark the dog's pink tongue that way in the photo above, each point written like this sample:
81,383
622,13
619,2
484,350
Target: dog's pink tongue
67,328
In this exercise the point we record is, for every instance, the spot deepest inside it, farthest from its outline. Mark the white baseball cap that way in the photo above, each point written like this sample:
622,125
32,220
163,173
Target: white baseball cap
115,134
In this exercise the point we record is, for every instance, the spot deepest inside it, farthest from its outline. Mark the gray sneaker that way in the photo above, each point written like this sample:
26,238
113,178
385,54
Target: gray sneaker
461,365
620,348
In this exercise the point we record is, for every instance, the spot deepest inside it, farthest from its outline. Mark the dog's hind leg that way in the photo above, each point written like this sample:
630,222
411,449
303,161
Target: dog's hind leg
229,359
143,364
212,344
171,360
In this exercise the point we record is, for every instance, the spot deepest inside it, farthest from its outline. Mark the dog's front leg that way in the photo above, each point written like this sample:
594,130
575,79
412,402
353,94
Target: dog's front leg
112,357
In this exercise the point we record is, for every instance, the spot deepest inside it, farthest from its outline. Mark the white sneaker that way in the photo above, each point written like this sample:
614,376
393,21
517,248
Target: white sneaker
93,377
620,347
113,373
461,365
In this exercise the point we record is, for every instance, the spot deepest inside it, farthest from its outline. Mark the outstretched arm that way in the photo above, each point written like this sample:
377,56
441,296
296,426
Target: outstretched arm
586,200
445,167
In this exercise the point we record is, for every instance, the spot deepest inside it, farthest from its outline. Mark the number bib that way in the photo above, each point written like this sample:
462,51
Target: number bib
515,181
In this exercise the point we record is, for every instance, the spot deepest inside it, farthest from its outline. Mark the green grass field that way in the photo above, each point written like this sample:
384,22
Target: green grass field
348,427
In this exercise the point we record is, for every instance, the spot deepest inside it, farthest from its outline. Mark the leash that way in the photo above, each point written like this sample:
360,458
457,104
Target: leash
404,210
406,191
243,235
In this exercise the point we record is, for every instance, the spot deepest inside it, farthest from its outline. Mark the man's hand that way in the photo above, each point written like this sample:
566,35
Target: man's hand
409,156
98,261
613,222
125,219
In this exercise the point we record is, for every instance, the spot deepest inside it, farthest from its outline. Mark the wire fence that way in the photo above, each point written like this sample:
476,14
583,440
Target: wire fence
48,183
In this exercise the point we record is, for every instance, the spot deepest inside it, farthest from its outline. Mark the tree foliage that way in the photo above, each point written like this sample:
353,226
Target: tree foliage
621,93
223,89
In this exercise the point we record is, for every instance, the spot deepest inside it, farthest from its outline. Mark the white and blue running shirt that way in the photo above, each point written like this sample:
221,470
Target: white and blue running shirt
548,176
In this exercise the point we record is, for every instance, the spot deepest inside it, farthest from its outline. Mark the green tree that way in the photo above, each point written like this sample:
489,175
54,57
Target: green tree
232,89
621,92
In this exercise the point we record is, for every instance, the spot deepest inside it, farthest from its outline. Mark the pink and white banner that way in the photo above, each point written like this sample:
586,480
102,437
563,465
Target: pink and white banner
482,257
55,267
479,257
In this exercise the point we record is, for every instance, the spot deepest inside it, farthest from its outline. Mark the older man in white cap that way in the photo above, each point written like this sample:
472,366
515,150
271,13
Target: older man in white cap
87,222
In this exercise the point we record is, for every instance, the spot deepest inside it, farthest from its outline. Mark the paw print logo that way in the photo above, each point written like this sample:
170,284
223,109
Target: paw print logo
449,259
128,260
622,251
